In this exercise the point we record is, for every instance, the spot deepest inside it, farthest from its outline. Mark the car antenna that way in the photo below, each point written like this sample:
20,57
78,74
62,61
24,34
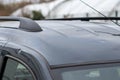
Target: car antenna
98,11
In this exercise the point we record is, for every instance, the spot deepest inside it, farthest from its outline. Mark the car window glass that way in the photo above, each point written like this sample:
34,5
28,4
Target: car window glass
16,71
112,73
89,72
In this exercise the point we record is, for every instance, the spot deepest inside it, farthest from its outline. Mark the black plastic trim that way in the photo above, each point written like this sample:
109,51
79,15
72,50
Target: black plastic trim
25,23
84,64
88,18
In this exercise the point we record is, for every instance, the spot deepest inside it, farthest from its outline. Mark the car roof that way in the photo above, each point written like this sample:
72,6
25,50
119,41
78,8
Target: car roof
70,42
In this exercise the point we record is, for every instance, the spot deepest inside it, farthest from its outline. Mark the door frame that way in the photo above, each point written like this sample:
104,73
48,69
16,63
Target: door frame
15,58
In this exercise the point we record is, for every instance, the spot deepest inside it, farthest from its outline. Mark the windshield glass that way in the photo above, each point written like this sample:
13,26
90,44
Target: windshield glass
94,72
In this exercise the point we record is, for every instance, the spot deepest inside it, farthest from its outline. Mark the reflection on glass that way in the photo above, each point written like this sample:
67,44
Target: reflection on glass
16,71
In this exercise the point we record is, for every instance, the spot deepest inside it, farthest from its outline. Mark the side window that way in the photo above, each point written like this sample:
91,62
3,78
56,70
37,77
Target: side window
16,71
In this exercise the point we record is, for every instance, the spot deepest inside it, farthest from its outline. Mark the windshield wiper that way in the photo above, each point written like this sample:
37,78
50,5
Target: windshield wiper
88,18
99,12
92,18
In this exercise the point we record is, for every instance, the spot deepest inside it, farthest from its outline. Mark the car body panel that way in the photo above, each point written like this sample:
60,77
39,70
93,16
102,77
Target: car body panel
66,42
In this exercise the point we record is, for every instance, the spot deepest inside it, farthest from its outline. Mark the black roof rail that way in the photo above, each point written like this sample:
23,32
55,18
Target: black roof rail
88,18
25,23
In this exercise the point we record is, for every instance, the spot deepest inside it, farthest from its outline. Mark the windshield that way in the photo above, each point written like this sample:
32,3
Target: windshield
93,72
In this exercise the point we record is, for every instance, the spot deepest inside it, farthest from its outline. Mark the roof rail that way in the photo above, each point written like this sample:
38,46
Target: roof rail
88,18
25,23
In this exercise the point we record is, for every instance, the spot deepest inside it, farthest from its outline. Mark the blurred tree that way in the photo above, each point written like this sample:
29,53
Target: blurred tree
7,9
46,0
37,15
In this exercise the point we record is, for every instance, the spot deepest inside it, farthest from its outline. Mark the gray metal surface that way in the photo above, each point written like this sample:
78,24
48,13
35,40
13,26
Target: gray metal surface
66,42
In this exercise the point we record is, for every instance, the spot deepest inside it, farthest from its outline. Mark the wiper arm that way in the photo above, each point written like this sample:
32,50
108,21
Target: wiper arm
98,12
